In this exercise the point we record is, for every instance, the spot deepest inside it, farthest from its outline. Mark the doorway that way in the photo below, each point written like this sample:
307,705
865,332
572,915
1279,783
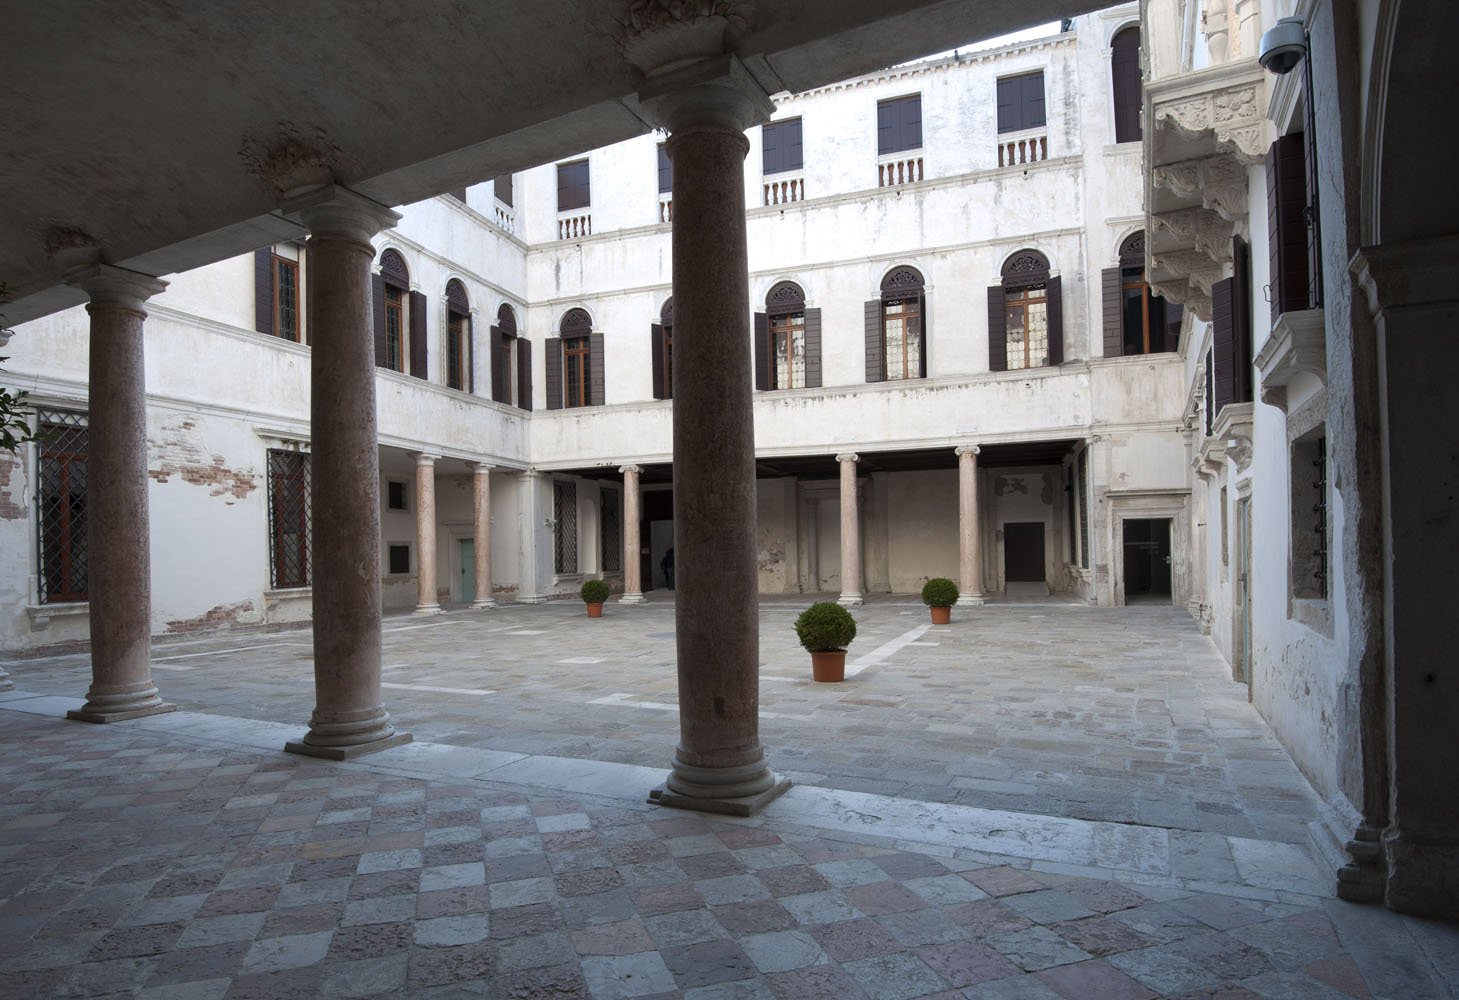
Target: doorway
1023,552
1147,560
468,570
1241,668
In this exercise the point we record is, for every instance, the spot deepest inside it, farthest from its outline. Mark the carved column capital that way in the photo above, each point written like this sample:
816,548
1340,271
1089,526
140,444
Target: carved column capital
849,456
630,470
968,449
116,286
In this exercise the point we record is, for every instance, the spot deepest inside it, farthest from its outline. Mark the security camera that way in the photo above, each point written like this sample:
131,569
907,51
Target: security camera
1283,47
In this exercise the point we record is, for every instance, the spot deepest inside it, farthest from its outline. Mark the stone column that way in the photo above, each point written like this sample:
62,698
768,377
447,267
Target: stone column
481,532
349,714
850,533
427,602
119,569
969,547
719,765
632,576
813,543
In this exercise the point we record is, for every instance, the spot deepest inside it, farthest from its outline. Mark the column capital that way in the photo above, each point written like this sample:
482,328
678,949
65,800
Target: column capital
630,469
331,210
104,283
967,449
426,458
848,456
716,92
481,468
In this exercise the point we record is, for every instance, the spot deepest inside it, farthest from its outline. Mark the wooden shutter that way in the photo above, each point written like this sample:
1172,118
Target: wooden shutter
552,351
1114,317
1056,321
595,370
1286,187
1125,71
997,331
524,373
1032,101
469,328
1241,346
793,153
1008,105
813,348
922,333
1223,387
886,128
494,354
875,346
263,290
666,171
1173,313
656,353
418,334
377,298
762,351
770,157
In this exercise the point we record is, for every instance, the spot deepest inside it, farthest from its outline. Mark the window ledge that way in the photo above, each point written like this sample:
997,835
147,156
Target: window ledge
1298,343
41,615
1315,613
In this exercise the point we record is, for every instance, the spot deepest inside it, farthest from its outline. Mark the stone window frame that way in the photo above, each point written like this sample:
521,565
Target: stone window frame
275,521
1305,425
390,492
391,550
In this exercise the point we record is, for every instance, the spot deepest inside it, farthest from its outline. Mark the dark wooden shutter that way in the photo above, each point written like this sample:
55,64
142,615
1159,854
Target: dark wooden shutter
1241,346
1173,313
886,128
1056,322
494,357
1125,72
377,300
1286,186
595,370
922,328
1114,317
1008,105
770,158
1223,387
899,124
813,348
524,373
470,330
875,346
656,353
666,171
418,334
552,349
1032,99
263,290
762,351
573,189
793,152
997,330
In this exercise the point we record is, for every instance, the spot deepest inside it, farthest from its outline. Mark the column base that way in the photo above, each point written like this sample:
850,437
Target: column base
347,752
482,605
631,599
849,600
1423,876
736,790
427,609
969,601
88,713
742,805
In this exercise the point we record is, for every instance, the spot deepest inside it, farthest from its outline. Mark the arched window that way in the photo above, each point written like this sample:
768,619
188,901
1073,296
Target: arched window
1025,315
459,374
1135,321
661,347
896,328
1125,77
787,341
575,363
400,318
511,362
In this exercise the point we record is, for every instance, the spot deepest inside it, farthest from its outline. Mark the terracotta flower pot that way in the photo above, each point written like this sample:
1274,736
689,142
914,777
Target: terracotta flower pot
595,610
941,616
828,665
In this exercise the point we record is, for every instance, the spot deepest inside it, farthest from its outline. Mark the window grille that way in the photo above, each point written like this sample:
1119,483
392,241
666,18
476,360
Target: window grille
1319,516
288,515
61,505
1084,509
565,527
611,533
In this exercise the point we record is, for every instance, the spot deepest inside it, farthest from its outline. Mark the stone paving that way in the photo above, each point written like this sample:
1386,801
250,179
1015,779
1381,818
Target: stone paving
1125,715
146,859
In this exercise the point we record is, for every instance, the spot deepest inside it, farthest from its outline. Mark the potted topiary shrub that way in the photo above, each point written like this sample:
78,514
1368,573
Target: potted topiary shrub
594,593
940,594
826,629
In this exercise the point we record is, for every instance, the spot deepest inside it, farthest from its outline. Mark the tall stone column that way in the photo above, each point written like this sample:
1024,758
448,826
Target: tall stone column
349,714
632,575
969,540
119,568
427,602
850,533
481,533
719,765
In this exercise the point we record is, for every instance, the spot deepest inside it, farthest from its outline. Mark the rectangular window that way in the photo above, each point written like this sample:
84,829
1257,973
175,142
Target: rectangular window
395,494
455,350
781,147
61,452
1027,316
399,560
666,171
286,298
503,188
288,516
899,124
902,329
1309,515
394,329
564,527
610,533
575,370
1021,102
787,345
572,186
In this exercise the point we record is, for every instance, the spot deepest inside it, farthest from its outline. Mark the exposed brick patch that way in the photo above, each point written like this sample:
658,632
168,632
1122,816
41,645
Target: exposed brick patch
12,488
178,453
216,617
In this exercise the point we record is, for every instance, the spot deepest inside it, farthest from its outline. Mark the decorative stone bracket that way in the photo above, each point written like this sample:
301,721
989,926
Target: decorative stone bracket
1234,427
1298,344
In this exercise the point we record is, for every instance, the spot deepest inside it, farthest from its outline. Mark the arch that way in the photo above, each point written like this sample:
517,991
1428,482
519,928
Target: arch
1124,62
393,268
506,319
456,298
1027,266
902,281
785,297
1132,250
576,323
666,314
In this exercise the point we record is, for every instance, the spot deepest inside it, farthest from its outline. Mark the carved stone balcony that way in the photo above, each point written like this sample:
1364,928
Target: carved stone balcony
1298,344
1203,129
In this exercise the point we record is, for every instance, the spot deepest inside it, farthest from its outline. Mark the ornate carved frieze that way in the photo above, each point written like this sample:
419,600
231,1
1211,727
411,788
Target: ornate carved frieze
1218,181
1229,114
1201,228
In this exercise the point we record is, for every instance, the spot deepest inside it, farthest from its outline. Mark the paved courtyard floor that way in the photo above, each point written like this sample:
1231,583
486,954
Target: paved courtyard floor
1039,800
